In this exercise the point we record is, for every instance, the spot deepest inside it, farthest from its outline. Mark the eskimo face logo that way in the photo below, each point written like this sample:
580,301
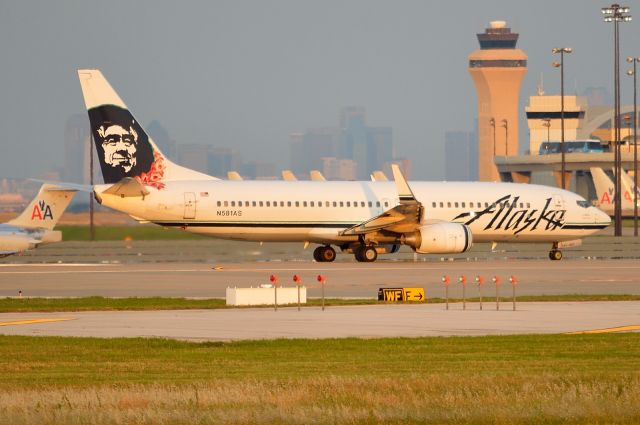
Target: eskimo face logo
123,147
41,211
119,145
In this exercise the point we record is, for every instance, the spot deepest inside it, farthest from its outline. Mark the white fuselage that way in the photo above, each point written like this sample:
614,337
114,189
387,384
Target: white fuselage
318,211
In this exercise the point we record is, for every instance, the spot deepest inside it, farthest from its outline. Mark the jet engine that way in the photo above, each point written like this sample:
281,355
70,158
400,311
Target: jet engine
440,238
15,243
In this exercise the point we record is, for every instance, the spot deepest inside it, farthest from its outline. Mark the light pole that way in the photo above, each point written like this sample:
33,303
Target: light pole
633,72
616,13
546,122
562,51
506,137
492,123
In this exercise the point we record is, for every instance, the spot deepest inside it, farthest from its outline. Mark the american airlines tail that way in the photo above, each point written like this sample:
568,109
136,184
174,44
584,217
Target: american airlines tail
604,186
45,209
124,148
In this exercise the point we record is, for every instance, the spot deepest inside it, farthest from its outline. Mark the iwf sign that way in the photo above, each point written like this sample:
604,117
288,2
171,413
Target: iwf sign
401,294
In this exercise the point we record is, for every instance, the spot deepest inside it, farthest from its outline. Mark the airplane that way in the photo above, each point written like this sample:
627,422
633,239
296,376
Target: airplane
360,217
379,176
234,175
316,176
288,176
34,226
605,191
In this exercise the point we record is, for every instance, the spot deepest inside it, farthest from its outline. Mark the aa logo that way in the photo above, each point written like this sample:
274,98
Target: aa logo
41,211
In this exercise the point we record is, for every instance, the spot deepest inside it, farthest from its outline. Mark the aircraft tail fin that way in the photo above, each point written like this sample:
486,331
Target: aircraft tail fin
124,148
603,184
45,209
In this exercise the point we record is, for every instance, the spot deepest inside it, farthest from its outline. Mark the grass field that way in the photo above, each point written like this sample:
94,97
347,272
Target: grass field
510,379
159,303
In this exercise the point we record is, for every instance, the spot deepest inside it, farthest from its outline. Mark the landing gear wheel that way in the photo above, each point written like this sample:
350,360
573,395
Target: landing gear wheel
366,254
324,254
327,254
555,255
317,254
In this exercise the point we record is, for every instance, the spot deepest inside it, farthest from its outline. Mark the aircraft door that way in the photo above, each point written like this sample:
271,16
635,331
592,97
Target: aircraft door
189,205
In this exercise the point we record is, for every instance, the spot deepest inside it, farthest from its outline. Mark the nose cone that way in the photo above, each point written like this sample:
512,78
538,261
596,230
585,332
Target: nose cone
601,217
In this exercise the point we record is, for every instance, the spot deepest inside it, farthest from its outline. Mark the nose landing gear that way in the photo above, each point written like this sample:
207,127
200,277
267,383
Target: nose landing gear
555,254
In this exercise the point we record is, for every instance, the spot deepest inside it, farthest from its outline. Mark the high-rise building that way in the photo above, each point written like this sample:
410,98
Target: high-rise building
76,149
366,148
461,156
497,69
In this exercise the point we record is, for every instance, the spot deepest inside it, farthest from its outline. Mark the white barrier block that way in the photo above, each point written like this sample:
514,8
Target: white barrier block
265,296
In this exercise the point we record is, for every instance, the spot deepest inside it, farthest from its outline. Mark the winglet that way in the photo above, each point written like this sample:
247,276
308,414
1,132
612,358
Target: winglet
404,191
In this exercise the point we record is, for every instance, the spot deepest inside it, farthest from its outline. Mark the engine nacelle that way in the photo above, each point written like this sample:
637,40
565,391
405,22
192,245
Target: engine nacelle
15,243
440,238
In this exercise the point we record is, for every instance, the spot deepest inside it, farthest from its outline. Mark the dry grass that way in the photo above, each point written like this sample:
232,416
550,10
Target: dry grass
331,399
513,379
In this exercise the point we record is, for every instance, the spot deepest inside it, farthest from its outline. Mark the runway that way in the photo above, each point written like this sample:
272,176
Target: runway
344,279
334,322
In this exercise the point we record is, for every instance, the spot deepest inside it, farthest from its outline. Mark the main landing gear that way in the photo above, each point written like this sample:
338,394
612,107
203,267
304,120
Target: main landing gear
555,254
324,254
366,253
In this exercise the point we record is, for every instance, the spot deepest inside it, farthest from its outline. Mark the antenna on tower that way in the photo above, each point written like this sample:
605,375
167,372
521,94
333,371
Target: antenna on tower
541,86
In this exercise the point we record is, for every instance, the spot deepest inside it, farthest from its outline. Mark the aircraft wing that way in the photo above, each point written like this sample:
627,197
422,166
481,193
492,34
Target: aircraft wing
402,218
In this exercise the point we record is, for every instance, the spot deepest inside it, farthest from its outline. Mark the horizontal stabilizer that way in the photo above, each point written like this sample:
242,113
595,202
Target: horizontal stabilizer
126,188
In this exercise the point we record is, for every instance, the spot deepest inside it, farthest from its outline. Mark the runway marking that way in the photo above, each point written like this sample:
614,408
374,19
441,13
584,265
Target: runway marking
31,321
608,330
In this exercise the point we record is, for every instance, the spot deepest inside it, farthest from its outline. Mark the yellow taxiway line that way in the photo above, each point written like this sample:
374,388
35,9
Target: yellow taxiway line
609,330
31,321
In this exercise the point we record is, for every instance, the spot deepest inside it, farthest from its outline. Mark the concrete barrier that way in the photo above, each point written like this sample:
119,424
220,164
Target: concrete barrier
265,296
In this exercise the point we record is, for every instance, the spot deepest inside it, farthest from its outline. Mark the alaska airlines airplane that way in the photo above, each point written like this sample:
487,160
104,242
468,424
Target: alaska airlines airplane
364,218
34,226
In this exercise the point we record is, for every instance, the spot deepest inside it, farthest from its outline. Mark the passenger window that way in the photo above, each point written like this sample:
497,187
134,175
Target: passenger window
282,203
320,203
521,204
486,205
370,204
362,204
327,204
456,204
219,203
377,203
529,205
288,203
268,203
335,204
448,204
311,204
470,204
441,204
226,203
433,204
463,205
261,203
341,204
246,203
386,204
297,203
348,203
304,204
253,203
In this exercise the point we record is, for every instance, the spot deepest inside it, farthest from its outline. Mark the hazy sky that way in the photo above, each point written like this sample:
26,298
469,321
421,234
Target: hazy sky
245,74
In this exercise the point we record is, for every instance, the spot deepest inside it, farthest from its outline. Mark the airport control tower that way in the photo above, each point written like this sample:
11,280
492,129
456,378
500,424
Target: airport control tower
497,69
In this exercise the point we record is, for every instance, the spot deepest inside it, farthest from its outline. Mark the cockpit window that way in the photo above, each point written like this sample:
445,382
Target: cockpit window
583,204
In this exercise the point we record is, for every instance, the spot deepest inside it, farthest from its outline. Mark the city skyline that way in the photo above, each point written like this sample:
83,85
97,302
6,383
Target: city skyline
245,75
